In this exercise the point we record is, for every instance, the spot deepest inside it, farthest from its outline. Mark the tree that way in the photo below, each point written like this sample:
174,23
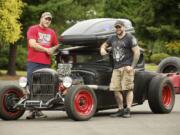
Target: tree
65,12
158,24
158,19
121,8
10,28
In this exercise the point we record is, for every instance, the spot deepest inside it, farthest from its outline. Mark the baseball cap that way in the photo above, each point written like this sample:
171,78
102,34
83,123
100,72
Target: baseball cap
119,22
46,14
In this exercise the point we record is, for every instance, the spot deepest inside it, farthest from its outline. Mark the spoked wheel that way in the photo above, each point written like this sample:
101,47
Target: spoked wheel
9,96
80,103
161,95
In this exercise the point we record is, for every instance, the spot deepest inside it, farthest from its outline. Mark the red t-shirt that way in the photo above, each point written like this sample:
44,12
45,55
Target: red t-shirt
46,37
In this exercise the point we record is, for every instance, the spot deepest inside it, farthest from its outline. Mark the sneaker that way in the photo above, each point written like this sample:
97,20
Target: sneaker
127,113
39,114
31,115
119,113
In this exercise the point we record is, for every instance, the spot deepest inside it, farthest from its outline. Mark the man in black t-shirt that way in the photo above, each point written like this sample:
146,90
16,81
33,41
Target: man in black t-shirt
125,53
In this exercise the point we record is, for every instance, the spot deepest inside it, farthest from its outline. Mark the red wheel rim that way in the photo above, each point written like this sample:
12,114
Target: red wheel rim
5,98
83,102
166,96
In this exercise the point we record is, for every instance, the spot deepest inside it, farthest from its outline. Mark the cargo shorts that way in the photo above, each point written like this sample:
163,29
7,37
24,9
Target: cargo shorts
122,79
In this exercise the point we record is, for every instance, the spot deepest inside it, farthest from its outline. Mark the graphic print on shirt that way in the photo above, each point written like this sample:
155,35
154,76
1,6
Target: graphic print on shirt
44,38
118,51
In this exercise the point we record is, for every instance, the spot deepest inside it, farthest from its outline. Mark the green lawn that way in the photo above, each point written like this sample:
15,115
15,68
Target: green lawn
19,74
151,67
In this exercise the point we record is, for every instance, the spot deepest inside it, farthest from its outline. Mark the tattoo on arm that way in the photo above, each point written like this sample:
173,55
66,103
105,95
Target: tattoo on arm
136,56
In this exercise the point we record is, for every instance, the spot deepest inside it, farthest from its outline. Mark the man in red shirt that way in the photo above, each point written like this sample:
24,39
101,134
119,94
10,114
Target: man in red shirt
42,42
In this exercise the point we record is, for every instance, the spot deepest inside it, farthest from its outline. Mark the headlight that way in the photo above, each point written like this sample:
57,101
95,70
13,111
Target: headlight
23,82
67,81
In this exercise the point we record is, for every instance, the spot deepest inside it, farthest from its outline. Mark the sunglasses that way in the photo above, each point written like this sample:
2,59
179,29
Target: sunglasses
118,27
48,19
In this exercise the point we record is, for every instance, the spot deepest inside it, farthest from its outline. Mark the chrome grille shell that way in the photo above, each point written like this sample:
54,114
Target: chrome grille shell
44,84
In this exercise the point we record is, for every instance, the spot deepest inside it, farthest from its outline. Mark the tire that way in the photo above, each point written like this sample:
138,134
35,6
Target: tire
161,95
9,95
169,65
141,84
80,103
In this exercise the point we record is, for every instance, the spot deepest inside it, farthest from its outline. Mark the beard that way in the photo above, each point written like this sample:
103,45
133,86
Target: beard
45,25
119,33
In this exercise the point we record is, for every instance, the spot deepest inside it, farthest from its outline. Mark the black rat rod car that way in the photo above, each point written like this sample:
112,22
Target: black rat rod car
80,85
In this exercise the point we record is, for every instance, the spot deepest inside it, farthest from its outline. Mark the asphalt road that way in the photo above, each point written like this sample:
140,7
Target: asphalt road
143,122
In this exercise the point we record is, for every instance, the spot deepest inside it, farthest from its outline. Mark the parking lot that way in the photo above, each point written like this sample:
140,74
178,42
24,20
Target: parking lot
143,122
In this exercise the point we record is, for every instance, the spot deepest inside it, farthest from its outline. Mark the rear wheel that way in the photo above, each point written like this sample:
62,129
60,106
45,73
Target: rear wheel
80,103
169,65
9,96
161,96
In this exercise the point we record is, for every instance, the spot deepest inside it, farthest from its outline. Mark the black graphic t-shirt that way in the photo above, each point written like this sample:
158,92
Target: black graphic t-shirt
122,50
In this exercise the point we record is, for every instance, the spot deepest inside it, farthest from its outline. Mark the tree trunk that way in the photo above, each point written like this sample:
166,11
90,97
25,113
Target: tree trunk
12,60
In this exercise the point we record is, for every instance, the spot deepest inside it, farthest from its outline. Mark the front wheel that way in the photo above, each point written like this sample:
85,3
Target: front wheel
9,96
161,95
80,103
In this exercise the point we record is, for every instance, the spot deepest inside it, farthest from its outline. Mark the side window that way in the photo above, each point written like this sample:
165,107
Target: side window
102,27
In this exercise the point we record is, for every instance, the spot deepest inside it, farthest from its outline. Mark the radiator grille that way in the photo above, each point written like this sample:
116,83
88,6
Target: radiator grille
43,86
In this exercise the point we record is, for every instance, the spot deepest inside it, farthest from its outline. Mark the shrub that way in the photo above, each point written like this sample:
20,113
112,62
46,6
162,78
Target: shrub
158,47
152,47
173,47
157,57
21,57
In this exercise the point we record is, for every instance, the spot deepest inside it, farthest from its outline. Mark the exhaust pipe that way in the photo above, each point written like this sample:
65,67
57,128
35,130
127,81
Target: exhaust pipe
98,87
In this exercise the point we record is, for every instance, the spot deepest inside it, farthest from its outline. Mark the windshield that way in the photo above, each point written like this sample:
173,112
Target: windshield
94,57
85,57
